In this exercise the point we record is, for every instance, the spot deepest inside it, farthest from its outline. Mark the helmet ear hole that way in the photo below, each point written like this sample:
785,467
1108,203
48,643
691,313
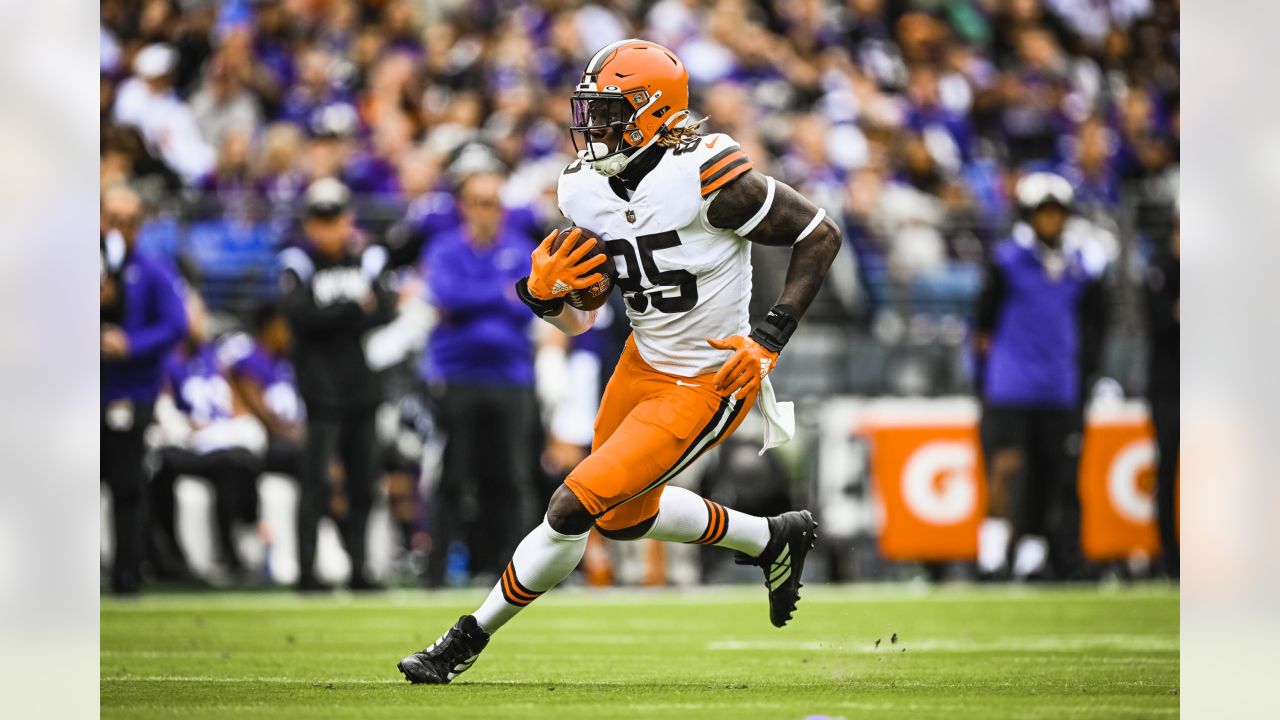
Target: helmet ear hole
635,137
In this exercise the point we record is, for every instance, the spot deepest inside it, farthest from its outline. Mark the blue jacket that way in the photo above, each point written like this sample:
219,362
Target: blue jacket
483,336
154,321
1039,326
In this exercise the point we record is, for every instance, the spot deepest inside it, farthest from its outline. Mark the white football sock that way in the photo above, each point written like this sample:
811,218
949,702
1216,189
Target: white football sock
993,544
541,561
686,517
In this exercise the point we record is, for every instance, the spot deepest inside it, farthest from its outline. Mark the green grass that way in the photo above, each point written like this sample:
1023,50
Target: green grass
960,653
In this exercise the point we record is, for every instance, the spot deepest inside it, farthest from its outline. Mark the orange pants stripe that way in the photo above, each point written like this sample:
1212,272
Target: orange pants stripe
651,426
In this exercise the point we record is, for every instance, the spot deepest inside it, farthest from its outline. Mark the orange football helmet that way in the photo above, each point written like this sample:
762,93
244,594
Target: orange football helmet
631,93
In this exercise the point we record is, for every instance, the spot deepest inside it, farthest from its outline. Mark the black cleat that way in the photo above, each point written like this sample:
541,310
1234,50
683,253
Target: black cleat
450,656
791,537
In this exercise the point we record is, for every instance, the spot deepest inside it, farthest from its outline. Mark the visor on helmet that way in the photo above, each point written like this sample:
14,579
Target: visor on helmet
601,119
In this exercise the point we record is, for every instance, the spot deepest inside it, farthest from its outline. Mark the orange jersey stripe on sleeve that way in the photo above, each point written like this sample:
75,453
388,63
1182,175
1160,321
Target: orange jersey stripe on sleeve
724,176
721,160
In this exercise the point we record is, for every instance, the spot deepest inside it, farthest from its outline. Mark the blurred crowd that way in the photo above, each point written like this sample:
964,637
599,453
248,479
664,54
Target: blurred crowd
908,120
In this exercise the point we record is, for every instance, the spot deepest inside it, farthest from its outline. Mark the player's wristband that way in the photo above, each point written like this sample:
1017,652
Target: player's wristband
541,308
775,329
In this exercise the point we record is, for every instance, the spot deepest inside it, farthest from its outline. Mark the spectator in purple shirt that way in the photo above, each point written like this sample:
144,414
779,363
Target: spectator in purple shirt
374,172
947,130
479,361
315,88
142,318
400,28
1091,172
1032,118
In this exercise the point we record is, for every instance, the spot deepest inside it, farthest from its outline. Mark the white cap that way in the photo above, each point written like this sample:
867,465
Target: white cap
154,61
1038,188
327,197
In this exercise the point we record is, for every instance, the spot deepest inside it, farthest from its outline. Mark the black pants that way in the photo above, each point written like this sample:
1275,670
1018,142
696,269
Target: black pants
1165,417
120,460
283,457
486,494
1044,499
352,435
232,472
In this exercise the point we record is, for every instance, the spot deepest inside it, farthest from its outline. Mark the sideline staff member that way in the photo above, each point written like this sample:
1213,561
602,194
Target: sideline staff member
480,363
333,297
142,318
1040,319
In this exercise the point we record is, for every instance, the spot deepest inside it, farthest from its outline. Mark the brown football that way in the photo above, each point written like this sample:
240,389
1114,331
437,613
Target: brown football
596,295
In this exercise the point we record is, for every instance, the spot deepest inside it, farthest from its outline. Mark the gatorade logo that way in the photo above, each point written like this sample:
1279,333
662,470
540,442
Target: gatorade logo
1129,482
938,483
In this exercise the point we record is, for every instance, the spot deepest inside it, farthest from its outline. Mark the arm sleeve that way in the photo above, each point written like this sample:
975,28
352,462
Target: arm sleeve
170,323
572,321
990,298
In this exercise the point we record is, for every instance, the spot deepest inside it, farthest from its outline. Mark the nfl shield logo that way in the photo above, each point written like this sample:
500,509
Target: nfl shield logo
631,216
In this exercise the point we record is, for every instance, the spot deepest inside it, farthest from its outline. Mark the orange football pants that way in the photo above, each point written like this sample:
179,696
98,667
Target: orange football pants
650,427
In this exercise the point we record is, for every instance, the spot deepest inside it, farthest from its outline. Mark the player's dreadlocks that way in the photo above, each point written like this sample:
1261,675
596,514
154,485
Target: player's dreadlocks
672,137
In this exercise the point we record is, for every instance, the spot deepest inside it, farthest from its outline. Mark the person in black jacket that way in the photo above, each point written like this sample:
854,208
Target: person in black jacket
333,296
1164,316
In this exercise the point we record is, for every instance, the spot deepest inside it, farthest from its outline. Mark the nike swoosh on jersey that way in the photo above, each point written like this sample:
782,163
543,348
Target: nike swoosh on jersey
685,384
712,143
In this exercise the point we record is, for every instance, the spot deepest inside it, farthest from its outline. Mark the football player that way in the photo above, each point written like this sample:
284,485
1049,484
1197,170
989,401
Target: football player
678,212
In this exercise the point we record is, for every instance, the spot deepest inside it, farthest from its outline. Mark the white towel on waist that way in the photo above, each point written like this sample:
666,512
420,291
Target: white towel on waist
779,417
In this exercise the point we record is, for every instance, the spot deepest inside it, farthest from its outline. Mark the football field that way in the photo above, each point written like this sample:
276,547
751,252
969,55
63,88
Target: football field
870,651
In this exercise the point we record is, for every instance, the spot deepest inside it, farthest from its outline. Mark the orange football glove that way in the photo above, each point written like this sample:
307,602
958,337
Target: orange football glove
557,274
746,368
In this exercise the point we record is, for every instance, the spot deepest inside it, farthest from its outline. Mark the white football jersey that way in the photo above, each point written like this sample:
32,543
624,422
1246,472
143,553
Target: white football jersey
683,280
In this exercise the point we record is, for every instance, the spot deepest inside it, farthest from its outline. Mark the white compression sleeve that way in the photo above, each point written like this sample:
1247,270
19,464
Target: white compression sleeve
572,321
